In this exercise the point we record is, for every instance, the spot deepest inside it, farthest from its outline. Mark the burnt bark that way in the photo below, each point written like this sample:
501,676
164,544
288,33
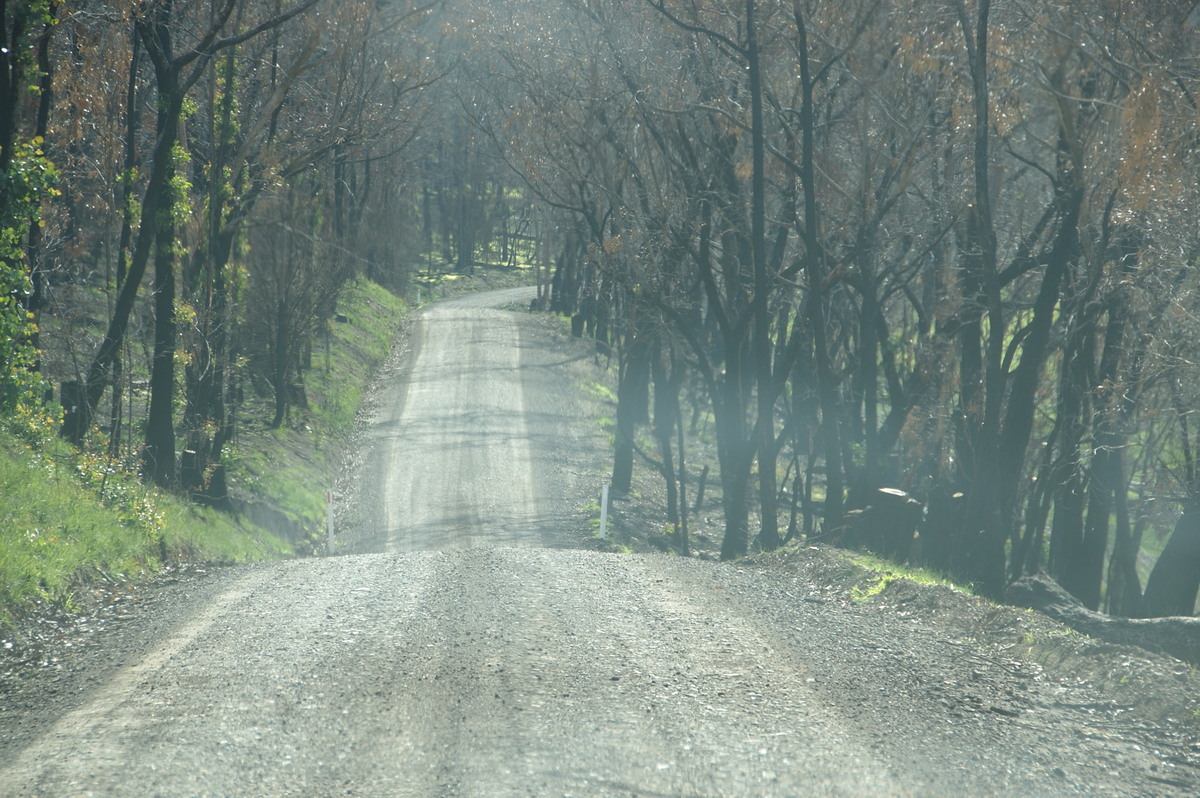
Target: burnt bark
158,456
1175,580
815,271
632,407
175,74
667,383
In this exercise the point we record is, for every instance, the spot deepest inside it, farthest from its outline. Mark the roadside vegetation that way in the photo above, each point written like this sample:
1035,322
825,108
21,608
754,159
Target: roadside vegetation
76,520
278,476
78,517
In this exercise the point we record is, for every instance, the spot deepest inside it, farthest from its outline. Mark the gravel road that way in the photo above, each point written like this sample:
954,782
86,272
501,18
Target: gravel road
461,647
477,439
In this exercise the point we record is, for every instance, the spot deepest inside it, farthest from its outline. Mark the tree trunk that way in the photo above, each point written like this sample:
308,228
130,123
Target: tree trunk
869,335
159,453
735,453
155,30
735,484
684,541
1123,595
156,202
281,371
37,276
1175,580
983,377
768,488
666,403
814,267
126,237
12,82
632,400
1076,568
1178,637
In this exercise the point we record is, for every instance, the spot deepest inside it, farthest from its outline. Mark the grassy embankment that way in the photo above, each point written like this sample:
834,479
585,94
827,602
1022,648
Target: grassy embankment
70,520
279,476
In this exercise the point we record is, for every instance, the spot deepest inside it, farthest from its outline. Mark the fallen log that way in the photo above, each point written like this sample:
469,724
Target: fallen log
1177,636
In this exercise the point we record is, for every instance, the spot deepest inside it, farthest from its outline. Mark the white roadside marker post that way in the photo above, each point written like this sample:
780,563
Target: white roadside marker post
603,510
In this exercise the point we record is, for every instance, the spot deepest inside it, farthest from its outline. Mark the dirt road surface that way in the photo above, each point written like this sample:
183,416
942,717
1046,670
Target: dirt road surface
459,645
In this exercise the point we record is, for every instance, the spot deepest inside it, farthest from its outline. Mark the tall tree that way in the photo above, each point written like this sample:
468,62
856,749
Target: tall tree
176,71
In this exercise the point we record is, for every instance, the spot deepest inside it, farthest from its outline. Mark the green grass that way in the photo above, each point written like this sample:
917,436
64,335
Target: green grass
881,573
356,347
863,593
53,528
70,518
289,484
598,390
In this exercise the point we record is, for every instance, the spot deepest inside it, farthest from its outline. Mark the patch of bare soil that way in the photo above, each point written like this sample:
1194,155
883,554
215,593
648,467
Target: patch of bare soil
1117,697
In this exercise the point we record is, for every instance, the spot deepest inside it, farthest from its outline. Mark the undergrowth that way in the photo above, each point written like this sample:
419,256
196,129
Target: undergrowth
72,516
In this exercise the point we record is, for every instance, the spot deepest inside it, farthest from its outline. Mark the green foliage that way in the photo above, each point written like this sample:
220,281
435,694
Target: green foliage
66,515
863,593
17,357
37,13
133,206
79,512
30,179
179,207
602,392
227,99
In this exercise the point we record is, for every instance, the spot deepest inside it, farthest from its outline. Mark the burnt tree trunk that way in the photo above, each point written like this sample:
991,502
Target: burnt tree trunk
159,453
1178,637
632,409
1175,580
281,371
667,383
